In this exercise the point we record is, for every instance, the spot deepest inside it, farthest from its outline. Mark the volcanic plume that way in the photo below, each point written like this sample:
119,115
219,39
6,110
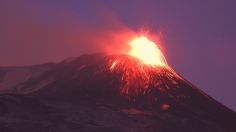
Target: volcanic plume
133,91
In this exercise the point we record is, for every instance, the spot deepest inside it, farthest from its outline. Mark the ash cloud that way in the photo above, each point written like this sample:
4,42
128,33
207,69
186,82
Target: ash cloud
33,33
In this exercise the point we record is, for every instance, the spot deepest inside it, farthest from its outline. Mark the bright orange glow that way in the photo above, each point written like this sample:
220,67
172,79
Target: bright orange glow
142,68
147,51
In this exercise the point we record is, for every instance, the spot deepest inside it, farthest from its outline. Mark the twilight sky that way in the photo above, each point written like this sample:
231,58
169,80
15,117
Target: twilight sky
198,36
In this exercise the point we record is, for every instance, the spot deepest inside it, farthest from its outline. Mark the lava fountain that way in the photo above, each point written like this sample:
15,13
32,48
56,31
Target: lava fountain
142,67
147,51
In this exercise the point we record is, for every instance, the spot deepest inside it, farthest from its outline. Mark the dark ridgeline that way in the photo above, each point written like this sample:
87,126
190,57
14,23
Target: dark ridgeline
84,95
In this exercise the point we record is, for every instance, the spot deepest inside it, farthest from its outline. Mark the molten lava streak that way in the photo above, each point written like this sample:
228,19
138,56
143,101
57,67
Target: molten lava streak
147,51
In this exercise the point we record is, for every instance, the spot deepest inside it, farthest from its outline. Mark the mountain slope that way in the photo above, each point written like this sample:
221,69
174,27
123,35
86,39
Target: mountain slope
111,93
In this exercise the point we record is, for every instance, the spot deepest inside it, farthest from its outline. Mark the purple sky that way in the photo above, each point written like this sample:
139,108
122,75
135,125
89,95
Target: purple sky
198,36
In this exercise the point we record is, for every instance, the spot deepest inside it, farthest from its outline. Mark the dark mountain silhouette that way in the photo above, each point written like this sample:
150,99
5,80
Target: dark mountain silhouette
106,93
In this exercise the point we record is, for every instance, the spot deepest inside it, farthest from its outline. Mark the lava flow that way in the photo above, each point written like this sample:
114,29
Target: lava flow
141,67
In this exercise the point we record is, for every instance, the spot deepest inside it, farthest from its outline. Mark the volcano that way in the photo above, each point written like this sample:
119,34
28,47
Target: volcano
106,93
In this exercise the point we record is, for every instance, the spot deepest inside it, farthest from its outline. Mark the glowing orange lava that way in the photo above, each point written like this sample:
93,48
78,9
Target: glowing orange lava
142,69
147,51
